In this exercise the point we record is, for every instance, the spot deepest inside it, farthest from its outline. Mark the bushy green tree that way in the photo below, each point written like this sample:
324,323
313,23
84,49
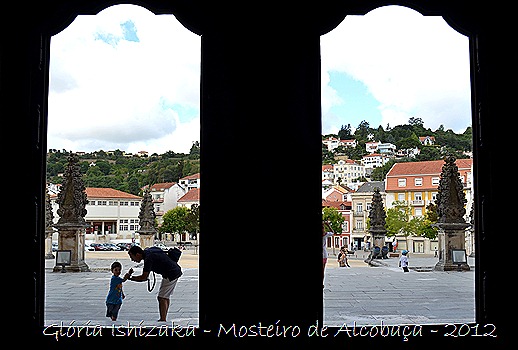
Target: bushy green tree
398,217
175,221
400,221
335,219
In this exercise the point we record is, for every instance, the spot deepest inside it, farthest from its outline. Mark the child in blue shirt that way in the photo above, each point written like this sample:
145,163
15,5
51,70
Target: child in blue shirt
115,294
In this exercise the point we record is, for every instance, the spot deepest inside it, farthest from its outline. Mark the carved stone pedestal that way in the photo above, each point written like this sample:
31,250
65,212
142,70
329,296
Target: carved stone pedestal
72,237
48,245
147,240
147,218
378,240
451,237
377,228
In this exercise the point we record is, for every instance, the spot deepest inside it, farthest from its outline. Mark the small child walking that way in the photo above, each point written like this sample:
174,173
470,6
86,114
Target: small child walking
403,260
115,294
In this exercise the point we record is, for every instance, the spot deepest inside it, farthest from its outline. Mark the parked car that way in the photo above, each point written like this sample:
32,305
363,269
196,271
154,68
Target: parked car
161,246
124,246
98,247
112,246
90,247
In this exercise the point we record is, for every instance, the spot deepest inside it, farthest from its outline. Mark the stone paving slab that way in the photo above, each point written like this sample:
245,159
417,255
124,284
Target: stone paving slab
362,294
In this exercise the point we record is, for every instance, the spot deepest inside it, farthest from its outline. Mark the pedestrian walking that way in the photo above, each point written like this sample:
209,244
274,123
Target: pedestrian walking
115,293
403,260
157,261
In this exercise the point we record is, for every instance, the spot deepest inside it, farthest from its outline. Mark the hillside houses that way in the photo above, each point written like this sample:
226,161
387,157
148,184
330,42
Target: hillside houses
416,183
113,214
333,143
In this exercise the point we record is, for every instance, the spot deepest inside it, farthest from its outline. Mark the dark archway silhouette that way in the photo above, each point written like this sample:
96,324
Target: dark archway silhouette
256,55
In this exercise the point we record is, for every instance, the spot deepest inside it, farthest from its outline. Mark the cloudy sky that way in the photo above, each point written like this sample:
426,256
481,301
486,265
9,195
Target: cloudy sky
127,79
393,64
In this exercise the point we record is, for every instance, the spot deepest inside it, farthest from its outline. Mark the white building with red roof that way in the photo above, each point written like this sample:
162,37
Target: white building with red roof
190,198
190,181
165,197
112,214
348,172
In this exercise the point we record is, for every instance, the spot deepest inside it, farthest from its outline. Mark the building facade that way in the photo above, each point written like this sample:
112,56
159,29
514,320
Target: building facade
361,201
416,183
111,214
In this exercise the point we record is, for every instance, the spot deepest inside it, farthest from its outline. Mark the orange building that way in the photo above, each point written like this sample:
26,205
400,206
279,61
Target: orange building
417,182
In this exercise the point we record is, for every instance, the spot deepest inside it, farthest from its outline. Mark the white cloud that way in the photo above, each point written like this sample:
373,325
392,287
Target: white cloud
115,92
132,95
414,65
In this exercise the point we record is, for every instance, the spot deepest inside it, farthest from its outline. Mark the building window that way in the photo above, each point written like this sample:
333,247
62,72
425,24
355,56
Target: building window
435,181
359,208
401,182
418,196
418,212
418,181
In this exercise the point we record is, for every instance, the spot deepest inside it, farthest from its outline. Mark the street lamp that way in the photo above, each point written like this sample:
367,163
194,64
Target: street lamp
63,258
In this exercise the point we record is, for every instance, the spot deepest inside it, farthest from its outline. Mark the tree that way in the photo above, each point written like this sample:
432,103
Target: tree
416,122
193,221
345,132
335,219
400,221
398,217
175,221
363,130
194,152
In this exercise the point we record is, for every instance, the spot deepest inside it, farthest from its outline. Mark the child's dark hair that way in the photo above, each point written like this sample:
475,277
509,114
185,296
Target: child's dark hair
115,264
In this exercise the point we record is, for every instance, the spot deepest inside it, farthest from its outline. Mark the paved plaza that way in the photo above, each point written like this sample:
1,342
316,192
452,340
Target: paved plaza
361,294
369,295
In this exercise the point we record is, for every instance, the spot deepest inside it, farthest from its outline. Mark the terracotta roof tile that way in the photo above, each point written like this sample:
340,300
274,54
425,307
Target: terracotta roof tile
98,192
191,177
430,167
162,186
192,196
